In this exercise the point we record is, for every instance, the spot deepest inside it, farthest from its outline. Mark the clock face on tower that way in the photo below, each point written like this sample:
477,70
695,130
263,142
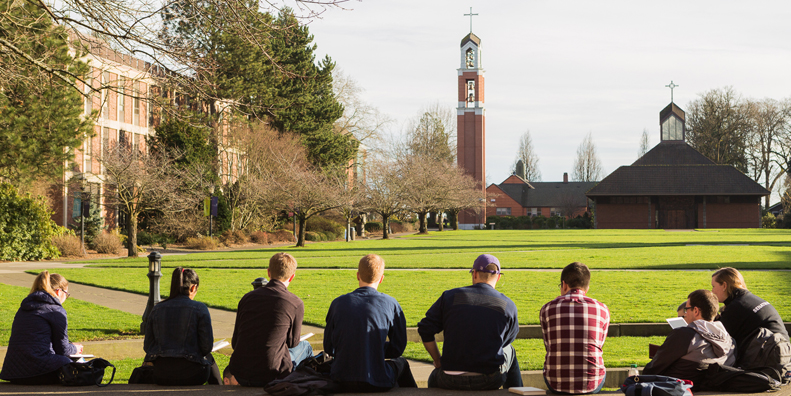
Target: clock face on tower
470,59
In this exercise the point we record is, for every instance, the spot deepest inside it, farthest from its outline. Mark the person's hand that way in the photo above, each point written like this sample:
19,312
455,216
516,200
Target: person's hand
79,348
437,364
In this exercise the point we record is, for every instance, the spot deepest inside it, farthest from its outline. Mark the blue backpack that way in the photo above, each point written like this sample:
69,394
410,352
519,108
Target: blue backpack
656,385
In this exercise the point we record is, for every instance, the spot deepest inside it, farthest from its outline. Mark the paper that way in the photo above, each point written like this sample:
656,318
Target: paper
220,345
79,355
306,336
527,390
677,322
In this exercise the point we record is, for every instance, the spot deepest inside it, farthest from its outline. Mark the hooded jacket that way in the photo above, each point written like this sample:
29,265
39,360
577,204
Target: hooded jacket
688,351
39,342
745,312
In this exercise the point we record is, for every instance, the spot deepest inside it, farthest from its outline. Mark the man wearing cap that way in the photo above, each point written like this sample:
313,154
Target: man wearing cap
575,327
479,326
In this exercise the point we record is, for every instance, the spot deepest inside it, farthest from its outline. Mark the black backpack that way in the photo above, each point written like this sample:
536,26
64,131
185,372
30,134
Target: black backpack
732,379
766,349
655,385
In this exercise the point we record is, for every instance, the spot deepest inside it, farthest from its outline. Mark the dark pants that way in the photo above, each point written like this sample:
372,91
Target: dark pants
509,376
180,371
404,379
50,378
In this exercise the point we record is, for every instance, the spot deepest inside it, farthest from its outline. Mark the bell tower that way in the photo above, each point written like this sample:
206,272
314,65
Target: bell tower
471,122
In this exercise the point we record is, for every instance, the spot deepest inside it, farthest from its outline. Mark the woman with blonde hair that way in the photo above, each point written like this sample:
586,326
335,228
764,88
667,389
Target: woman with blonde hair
39,345
179,336
744,312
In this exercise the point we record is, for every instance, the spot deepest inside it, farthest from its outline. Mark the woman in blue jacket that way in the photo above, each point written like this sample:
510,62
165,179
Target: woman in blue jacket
179,336
39,345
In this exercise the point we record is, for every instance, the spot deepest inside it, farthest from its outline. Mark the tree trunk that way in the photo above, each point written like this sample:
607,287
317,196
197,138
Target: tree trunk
422,228
454,219
385,227
131,231
348,229
301,236
440,222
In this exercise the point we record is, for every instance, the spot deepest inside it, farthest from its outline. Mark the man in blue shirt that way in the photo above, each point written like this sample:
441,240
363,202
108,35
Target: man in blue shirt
479,326
358,325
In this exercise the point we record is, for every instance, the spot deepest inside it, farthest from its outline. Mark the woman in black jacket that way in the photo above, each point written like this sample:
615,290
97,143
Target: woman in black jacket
179,336
39,345
744,312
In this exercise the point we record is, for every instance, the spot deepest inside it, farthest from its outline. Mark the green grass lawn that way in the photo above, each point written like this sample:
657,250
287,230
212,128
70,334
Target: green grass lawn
87,322
632,296
599,249
618,352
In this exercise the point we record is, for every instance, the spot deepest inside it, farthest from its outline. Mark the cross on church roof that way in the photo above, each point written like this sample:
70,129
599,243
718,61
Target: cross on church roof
470,15
671,86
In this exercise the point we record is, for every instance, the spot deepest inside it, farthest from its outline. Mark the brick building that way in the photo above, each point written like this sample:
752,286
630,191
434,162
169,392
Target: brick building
674,186
518,197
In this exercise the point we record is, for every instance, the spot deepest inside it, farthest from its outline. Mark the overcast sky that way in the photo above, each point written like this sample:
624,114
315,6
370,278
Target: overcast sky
561,68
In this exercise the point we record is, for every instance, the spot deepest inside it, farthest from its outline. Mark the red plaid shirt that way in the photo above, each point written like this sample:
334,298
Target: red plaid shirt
574,328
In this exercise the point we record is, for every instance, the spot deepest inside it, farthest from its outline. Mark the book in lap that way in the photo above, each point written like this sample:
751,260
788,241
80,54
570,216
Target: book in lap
527,390
220,345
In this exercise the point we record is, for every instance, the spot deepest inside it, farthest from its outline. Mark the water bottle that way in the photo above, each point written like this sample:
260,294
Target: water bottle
633,371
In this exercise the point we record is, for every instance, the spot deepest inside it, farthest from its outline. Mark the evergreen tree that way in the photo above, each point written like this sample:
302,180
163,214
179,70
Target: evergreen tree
41,120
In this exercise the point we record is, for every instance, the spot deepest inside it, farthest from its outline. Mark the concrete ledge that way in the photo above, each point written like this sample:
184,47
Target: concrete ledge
154,390
615,330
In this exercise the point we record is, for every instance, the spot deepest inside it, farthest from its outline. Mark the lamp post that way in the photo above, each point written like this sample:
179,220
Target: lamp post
259,282
154,273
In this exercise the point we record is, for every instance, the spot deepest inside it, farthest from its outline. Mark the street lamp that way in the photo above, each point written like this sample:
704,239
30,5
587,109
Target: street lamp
154,273
259,282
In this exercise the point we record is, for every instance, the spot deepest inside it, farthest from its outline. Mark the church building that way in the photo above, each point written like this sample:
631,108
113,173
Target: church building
673,186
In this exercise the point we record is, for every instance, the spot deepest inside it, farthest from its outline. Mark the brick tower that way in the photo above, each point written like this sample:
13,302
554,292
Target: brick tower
471,123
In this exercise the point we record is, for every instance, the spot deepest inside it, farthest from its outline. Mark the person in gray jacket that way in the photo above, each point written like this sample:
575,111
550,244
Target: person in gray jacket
687,351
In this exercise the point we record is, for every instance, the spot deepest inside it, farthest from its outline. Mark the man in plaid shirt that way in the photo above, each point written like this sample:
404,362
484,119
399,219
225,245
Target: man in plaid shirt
574,328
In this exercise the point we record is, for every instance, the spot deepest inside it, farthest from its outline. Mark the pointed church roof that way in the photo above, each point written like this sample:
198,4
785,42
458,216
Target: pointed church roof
471,37
672,108
673,152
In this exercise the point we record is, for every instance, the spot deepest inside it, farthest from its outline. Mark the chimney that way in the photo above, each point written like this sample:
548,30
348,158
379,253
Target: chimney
565,177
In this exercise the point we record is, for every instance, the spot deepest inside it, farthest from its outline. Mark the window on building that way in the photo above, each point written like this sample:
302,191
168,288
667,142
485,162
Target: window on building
503,211
136,104
88,96
672,129
532,212
470,93
105,95
88,155
554,212
121,99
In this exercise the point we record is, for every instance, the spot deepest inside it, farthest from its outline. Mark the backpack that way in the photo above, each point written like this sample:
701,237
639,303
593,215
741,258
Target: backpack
303,381
732,379
766,349
655,385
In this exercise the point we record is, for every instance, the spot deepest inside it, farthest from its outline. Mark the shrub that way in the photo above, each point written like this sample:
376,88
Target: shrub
398,226
494,219
321,224
201,243
373,226
26,229
107,243
281,236
237,237
145,238
507,222
259,237
552,223
329,235
539,221
768,221
68,244
312,236
524,222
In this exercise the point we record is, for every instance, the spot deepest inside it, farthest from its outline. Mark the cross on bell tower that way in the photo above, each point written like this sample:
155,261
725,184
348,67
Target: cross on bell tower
471,121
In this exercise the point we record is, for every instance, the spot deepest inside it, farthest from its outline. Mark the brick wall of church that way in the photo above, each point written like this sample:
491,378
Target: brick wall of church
730,215
630,216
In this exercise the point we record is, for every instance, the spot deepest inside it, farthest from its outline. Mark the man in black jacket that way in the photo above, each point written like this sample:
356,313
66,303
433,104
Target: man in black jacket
687,351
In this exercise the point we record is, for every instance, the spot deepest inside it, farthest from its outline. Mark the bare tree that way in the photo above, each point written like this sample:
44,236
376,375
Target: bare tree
424,188
139,181
717,125
461,193
385,191
645,144
587,166
359,118
529,158
768,119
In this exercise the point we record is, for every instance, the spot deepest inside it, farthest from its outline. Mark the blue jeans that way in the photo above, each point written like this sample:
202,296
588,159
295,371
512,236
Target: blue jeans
597,390
508,376
302,351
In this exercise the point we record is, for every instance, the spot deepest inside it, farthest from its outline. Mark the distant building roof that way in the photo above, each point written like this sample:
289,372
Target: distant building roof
547,194
673,152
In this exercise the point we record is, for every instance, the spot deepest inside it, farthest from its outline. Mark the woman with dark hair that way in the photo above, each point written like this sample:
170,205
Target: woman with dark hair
179,336
39,345
744,312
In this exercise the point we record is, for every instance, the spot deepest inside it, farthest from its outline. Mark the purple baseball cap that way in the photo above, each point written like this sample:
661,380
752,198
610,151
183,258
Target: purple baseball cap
483,260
